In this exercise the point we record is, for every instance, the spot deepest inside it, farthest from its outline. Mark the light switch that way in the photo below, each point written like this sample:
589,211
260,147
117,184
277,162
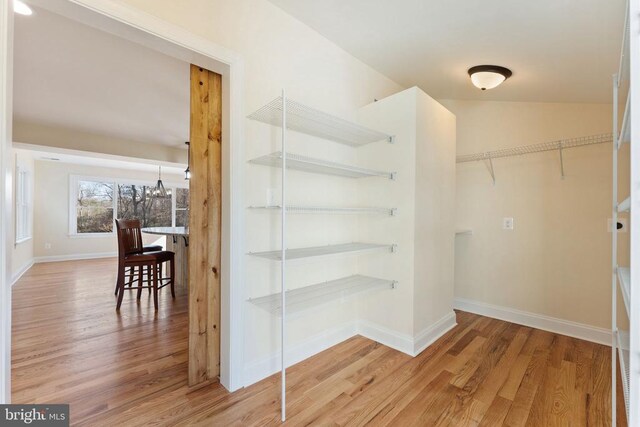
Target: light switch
507,223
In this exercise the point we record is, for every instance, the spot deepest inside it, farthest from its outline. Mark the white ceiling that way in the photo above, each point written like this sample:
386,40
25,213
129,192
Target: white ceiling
558,50
72,75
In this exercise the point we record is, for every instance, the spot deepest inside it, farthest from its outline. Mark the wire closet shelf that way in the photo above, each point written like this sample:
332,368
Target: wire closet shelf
322,293
294,209
291,115
310,121
537,148
313,165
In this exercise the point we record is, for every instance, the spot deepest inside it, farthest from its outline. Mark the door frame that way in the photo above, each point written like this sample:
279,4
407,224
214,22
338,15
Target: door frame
145,29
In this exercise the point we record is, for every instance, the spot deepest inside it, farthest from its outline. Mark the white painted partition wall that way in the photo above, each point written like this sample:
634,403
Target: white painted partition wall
421,309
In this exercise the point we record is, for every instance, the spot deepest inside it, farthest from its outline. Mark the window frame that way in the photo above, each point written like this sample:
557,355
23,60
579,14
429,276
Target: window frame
23,206
74,180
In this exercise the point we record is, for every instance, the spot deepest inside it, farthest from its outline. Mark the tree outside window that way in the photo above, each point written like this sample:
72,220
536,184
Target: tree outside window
94,207
99,202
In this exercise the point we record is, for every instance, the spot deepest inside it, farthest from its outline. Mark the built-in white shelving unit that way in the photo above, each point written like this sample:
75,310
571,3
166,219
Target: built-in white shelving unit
330,210
316,251
623,348
622,342
312,165
291,115
313,295
624,279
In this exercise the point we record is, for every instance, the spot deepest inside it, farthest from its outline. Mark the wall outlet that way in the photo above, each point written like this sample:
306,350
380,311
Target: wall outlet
507,223
47,245
622,225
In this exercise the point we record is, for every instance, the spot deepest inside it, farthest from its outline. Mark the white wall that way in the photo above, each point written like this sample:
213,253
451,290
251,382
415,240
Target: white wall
51,213
556,262
423,156
434,212
22,255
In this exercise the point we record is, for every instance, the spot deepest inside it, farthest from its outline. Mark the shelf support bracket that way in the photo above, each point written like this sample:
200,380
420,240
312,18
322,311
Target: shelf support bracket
489,164
560,146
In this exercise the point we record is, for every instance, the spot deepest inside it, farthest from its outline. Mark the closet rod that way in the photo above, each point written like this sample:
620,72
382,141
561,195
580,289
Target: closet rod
537,148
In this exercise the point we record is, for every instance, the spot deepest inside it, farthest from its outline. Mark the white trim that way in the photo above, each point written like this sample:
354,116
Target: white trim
269,365
431,334
386,336
6,116
74,257
406,343
24,239
16,276
538,321
262,368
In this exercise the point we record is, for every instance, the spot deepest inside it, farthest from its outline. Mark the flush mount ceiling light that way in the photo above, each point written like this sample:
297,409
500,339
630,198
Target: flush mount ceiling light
21,8
488,76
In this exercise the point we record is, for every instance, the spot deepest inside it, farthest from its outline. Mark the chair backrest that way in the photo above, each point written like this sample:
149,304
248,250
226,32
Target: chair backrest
129,237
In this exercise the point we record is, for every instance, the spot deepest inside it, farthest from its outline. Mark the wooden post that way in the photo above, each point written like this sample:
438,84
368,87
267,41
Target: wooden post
205,222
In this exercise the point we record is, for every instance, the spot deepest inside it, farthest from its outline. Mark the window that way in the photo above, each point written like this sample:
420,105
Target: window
94,207
23,205
137,202
97,202
182,207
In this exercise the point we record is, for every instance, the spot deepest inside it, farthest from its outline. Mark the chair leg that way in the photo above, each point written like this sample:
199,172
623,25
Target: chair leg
119,279
172,276
155,286
120,295
140,282
149,277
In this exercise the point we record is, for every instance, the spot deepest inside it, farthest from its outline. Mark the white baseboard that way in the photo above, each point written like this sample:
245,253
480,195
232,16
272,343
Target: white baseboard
406,343
431,334
17,275
539,321
74,257
385,336
260,369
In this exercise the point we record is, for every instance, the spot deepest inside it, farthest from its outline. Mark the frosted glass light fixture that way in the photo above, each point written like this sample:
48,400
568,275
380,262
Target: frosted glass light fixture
488,76
21,8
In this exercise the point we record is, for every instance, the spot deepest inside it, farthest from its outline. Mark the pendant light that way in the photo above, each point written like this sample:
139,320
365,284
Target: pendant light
187,172
488,76
159,191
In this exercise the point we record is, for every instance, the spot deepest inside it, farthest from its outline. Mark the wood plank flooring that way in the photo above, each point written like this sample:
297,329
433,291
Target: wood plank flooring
130,369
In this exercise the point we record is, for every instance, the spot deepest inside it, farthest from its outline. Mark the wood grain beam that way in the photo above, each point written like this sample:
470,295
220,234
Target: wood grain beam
205,222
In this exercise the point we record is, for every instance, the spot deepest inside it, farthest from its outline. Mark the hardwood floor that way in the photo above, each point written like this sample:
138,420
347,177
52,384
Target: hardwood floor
129,369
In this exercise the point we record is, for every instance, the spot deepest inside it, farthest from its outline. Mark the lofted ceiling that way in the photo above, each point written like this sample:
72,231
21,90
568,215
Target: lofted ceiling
71,75
558,50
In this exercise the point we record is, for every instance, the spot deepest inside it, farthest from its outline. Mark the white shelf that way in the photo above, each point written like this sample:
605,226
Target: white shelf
313,122
312,165
623,354
329,210
464,231
625,130
301,298
317,251
624,279
625,205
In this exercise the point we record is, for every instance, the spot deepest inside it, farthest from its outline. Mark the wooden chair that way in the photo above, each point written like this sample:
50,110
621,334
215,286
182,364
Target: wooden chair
131,255
131,273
